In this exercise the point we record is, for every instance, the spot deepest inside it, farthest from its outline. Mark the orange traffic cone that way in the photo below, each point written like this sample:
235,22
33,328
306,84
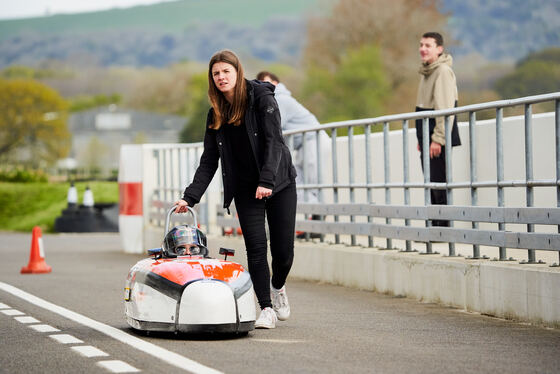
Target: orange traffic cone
37,262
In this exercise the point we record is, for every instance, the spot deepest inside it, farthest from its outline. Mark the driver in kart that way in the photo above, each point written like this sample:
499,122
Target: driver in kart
183,241
187,250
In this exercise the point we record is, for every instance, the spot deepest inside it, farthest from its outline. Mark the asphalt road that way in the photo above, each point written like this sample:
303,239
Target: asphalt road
332,329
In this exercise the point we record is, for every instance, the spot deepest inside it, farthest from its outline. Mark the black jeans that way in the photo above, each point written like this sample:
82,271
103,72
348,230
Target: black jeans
437,174
280,210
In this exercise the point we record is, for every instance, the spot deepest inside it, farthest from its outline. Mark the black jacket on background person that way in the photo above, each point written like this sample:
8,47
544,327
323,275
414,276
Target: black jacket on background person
274,162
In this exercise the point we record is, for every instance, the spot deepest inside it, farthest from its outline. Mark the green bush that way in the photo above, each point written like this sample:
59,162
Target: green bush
22,175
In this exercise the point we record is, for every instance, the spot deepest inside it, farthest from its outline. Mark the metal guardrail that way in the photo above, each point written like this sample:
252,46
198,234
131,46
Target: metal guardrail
500,238
521,240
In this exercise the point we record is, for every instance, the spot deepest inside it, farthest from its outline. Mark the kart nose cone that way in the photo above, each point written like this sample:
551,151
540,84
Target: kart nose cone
197,308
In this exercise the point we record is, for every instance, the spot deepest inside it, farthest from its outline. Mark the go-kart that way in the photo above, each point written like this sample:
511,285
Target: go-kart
181,289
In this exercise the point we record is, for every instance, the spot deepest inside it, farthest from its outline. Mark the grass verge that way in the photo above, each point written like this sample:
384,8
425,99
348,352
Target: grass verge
25,205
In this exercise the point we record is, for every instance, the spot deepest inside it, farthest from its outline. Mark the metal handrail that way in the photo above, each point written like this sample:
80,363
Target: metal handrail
430,113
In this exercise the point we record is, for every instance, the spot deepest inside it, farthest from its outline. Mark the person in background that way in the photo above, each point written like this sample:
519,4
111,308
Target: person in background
437,90
294,116
243,133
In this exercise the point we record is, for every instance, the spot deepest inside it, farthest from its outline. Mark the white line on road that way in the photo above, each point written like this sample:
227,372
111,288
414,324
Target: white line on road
281,341
4,306
27,319
66,339
89,351
117,366
169,357
44,328
12,312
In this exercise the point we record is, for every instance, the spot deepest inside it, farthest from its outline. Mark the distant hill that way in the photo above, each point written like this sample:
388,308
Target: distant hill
168,17
160,34
503,29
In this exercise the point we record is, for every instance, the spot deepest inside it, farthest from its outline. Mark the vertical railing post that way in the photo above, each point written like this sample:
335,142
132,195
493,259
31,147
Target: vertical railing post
335,178
290,144
319,174
557,145
304,145
164,175
180,172
171,175
351,174
449,173
406,173
368,175
188,161
500,171
182,169
387,174
158,178
207,200
473,171
529,171
426,167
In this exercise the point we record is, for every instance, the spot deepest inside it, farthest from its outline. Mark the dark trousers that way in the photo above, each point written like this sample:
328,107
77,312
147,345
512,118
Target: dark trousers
437,174
280,210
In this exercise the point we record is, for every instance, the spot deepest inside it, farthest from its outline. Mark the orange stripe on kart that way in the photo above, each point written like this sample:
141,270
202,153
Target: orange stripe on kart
185,269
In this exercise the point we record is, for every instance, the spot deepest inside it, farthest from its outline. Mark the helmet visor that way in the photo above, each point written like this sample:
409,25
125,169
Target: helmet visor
183,240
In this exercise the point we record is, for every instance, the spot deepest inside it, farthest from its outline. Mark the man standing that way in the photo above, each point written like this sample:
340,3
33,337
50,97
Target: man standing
437,90
294,116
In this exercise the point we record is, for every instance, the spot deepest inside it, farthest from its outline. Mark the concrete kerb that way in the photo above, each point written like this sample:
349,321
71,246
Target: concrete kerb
527,293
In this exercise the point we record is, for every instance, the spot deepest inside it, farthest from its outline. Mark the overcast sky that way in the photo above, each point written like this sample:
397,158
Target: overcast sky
35,8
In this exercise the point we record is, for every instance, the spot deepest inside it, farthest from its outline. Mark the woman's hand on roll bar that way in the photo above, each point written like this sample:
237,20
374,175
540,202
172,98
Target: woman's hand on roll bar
181,206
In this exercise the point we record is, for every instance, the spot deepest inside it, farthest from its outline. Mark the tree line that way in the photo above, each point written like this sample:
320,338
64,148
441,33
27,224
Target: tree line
360,60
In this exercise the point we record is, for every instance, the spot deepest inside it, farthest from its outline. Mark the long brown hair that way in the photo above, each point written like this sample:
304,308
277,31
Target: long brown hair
224,112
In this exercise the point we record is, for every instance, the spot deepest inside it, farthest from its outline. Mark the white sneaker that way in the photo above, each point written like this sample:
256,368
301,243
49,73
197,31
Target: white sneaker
280,302
267,319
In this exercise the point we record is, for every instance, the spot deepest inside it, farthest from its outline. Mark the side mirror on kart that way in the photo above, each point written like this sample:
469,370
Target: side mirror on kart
227,252
155,252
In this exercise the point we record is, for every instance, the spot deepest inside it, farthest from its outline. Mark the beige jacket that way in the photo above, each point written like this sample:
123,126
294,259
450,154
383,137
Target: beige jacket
438,90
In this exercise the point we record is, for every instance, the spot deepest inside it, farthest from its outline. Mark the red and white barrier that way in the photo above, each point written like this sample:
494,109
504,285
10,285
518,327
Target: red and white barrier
152,174
131,220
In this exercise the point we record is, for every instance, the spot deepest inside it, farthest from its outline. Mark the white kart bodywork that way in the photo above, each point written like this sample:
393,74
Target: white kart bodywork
203,305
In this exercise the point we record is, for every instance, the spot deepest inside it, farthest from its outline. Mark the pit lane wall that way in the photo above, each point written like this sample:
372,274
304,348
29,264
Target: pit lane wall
529,293
526,293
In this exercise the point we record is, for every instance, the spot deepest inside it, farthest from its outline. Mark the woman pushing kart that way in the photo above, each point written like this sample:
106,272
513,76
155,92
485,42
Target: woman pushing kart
243,132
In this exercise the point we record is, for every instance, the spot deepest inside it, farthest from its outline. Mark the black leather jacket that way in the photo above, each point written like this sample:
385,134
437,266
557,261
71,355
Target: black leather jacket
274,162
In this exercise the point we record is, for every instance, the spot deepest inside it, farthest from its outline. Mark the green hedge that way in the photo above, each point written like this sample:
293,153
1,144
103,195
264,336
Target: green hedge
25,205
22,175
